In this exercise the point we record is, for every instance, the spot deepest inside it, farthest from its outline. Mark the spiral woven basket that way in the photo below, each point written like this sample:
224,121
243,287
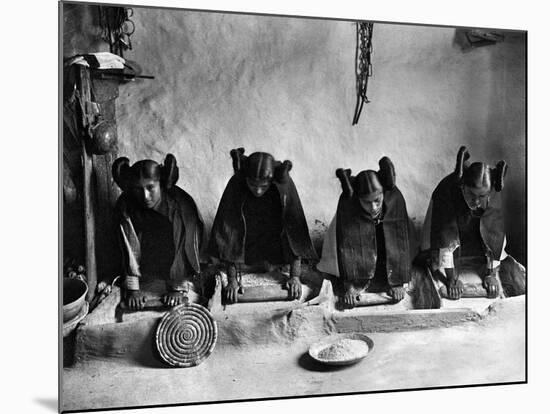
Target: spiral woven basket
186,335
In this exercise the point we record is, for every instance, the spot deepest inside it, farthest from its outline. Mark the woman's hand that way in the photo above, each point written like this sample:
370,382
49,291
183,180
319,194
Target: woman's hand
455,288
294,287
397,293
350,295
175,298
135,299
490,283
232,290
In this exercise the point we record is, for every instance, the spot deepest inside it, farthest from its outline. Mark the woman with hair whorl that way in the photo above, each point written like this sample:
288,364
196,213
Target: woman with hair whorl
367,244
260,222
464,231
160,229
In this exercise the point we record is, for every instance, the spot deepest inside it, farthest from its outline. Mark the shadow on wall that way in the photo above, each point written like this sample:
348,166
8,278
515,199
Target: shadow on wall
50,404
506,133
504,119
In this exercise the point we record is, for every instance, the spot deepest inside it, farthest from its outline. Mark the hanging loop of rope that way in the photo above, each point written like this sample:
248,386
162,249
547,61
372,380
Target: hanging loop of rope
363,65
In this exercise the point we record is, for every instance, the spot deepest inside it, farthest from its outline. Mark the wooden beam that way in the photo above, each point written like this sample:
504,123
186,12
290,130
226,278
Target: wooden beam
87,166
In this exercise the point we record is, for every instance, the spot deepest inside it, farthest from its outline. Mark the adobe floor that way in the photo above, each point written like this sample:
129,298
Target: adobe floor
487,351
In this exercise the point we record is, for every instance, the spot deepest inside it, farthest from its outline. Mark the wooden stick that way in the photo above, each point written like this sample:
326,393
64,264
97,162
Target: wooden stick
89,219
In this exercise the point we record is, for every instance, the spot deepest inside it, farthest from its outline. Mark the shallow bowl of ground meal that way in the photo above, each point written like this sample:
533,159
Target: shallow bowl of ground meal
341,349
74,294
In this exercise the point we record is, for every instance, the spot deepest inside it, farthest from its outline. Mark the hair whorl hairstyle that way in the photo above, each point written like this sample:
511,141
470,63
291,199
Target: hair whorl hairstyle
281,171
497,175
386,173
124,175
238,158
461,158
346,181
169,172
121,172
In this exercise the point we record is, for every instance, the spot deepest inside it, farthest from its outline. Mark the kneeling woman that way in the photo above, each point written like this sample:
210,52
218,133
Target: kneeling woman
260,221
160,229
367,244
464,231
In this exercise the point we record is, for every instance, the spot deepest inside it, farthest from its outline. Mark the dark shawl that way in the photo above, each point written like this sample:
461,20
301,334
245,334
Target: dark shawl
228,234
356,239
180,209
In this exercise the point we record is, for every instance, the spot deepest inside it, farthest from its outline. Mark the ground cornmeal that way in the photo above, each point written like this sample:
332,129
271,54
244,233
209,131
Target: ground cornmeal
344,349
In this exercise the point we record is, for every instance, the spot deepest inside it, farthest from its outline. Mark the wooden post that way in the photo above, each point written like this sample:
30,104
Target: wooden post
106,191
89,218
89,222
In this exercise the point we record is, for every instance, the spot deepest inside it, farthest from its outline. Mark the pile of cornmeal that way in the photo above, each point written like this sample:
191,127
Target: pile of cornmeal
343,350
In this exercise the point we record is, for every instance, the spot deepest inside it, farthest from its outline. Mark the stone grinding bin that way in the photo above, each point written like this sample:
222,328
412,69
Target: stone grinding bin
110,332
181,336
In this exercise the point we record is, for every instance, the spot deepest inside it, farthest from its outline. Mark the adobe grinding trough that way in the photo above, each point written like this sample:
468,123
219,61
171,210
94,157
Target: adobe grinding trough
109,333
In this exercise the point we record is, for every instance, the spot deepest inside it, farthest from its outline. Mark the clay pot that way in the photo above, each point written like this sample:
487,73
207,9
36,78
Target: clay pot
103,137
74,294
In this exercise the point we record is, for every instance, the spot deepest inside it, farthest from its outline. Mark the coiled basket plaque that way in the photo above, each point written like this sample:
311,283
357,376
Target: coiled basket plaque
186,335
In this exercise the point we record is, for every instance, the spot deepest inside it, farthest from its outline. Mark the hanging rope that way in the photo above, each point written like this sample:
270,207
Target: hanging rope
363,65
